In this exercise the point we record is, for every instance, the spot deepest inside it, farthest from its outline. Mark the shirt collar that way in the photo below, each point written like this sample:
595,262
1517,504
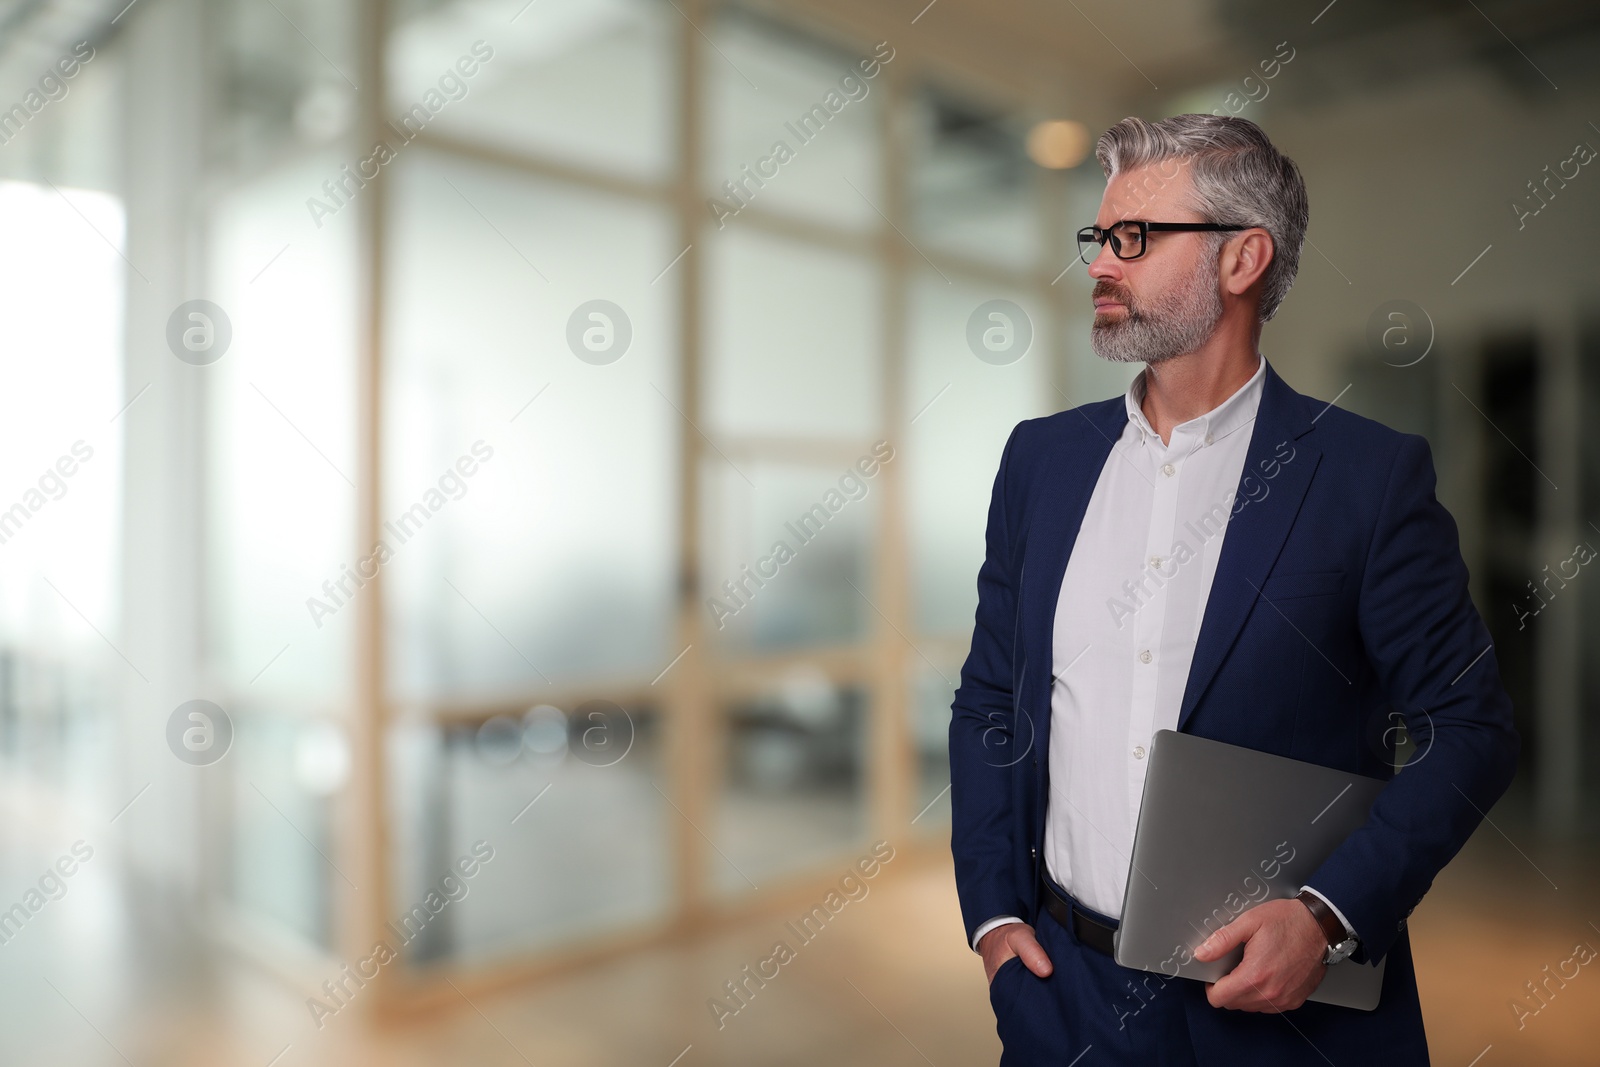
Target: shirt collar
1236,411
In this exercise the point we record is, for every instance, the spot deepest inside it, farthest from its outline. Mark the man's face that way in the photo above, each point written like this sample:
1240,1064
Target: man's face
1167,302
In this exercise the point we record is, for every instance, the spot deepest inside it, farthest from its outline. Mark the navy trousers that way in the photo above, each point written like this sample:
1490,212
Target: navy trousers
1090,1012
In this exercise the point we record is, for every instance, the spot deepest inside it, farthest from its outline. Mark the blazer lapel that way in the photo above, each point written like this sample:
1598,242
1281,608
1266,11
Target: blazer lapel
1256,534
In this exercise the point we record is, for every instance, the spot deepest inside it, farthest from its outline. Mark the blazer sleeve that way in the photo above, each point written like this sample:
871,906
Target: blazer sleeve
1435,661
984,738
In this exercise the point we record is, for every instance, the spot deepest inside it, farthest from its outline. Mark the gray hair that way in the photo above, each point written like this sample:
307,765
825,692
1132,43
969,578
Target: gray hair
1238,176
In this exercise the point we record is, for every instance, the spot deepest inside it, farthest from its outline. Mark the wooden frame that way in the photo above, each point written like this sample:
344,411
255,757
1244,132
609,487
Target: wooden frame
691,699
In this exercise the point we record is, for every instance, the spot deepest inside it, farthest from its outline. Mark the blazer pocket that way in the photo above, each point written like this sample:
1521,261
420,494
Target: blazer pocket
1303,584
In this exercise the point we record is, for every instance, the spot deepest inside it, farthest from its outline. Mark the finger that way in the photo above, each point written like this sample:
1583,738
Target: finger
1223,941
1238,989
1221,993
1034,957
996,956
1236,997
1250,993
1218,999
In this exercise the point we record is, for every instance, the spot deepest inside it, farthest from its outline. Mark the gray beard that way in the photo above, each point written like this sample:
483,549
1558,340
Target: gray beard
1180,324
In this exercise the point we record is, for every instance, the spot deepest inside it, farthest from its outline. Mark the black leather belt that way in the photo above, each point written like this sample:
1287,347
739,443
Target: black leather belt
1087,929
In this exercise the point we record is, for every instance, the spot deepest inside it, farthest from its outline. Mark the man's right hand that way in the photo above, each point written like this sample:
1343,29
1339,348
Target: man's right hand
1013,939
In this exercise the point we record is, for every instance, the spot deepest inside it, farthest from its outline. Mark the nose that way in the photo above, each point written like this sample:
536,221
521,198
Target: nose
1105,264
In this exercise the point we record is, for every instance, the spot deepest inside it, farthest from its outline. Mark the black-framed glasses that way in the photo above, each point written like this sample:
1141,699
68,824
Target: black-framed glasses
1128,237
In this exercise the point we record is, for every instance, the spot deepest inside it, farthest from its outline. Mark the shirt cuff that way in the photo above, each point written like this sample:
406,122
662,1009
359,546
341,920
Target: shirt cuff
1000,920
1349,930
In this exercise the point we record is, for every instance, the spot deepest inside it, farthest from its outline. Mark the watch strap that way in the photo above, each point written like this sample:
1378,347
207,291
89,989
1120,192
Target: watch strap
1333,930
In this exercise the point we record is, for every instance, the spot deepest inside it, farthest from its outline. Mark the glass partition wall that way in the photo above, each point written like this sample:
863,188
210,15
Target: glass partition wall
597,501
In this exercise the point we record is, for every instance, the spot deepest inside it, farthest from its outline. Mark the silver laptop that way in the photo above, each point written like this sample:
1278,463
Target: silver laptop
1221,829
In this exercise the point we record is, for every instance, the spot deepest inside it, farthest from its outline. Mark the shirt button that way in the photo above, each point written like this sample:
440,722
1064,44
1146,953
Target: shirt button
1138,752
1169,470
1155,562
1208,439
1144,657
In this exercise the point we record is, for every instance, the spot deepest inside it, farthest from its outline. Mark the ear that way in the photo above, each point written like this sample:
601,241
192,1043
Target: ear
1245,260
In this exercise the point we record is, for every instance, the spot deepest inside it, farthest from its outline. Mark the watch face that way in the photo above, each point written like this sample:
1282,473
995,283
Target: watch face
1341,951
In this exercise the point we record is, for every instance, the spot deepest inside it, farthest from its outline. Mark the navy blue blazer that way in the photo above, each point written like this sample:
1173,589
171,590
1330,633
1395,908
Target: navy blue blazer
1340,593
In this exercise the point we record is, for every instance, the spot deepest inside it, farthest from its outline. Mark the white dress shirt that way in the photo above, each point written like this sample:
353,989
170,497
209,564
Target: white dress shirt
1126,623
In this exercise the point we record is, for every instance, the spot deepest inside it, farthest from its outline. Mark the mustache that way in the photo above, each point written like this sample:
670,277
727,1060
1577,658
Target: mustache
1105,287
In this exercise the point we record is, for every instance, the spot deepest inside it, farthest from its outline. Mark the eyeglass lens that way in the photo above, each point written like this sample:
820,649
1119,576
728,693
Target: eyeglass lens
1126,239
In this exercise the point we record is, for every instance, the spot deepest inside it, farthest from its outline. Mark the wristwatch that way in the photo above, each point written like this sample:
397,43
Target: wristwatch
1340,943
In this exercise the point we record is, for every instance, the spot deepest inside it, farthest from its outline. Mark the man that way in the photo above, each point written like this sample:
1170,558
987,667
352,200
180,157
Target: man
1218,554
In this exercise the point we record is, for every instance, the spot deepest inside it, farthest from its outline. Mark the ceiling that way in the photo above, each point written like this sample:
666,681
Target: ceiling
1076,56
1154,50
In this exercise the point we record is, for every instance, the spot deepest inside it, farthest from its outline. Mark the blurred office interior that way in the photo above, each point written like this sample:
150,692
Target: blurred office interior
578,347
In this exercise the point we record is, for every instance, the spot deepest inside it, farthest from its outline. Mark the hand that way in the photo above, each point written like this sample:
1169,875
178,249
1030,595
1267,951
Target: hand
1283,951
1016,939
